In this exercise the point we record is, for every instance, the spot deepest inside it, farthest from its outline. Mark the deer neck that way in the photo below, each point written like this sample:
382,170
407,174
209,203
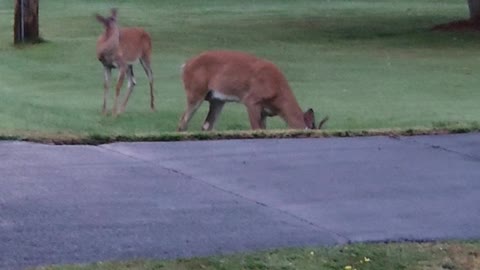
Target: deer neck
110,42
113,32
292,113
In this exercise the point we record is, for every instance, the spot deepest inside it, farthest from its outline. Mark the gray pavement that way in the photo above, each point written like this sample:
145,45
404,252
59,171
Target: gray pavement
79,204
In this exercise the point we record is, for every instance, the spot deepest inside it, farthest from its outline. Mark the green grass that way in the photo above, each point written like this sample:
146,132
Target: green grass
368,64
408,256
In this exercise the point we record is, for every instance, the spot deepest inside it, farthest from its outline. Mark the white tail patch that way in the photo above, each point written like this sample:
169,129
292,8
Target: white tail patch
228,98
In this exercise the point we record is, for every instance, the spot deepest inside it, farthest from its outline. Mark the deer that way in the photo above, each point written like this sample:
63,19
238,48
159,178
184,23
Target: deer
120,48
221,76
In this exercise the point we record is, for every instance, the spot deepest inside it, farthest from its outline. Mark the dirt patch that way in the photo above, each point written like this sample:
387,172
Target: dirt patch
462,256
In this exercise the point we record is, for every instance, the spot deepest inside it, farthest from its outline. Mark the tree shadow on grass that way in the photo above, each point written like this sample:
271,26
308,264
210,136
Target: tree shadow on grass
460,25
397,30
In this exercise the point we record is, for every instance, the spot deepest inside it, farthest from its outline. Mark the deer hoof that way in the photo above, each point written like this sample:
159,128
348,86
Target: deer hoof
181,129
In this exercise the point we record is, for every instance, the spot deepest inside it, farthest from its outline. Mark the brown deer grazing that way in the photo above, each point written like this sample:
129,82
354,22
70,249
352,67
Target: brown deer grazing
230,76
121,48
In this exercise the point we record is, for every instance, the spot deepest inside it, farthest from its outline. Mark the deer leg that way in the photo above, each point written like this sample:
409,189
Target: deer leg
192,107
133,76
106,86
255,115
263,120
131,85
121,78
145,61
216,107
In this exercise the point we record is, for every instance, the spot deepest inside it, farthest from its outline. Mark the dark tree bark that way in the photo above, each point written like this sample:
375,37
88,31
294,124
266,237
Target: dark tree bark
25,26
474,7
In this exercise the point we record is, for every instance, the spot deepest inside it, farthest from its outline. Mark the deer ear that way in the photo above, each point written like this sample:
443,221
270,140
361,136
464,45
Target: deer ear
100,18
323,122
114,12
309,118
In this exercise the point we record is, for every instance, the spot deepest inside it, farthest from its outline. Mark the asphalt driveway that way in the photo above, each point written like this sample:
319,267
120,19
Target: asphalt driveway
78,204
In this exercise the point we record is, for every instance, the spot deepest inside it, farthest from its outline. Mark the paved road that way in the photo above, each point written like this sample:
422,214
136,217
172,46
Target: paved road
71,204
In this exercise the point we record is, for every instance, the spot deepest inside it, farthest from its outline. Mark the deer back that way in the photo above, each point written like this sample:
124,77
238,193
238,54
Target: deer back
134,44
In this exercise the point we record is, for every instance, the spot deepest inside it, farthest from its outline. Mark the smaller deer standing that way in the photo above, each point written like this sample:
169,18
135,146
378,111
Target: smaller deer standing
230,76
121,48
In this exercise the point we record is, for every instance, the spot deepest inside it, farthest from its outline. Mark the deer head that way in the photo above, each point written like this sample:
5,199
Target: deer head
309,118
110,23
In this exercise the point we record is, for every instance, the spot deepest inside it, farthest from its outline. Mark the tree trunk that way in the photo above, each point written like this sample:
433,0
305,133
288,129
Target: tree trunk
474,7
25,26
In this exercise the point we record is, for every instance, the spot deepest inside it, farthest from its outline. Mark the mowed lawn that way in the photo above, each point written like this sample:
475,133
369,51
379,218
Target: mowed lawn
368,64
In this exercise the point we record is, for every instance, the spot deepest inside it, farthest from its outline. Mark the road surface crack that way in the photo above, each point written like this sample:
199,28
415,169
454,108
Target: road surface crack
447,150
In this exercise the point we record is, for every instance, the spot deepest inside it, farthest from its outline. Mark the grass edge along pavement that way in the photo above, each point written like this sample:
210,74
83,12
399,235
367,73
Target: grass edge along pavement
96,139
367,256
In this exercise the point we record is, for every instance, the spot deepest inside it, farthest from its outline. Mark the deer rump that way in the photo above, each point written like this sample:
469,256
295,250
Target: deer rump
231,76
